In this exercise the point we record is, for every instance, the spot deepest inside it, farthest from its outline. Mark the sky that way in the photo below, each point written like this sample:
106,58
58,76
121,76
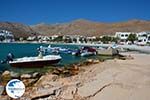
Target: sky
33,12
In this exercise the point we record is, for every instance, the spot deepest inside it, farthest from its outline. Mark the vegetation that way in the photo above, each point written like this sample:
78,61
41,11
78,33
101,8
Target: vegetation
132,38
58,39
107,39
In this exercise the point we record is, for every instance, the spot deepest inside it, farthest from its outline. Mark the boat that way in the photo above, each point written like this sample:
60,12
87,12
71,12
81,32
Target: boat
56,50
48,49
85,51
110,51
39,61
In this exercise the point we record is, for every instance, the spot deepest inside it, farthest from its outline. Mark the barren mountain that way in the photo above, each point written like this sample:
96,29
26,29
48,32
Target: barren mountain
85,27
77,27
19,30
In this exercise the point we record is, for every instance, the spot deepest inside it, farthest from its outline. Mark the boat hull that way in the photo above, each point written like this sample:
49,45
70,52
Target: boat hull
35,63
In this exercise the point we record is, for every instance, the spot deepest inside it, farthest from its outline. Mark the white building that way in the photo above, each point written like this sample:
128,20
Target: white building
143,37
6,36
123,36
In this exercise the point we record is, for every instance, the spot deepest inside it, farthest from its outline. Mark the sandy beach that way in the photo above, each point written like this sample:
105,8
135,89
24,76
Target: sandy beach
110,80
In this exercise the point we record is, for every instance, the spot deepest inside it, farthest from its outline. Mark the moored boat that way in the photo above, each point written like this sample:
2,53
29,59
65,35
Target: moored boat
85,51
35,61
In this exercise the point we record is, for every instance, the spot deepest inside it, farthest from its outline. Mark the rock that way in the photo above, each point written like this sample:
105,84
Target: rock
6,73
6,76
46,79
74,70
26,76
68,94
44,92
14,75
36,75
1,89
29,82
96,61
90,60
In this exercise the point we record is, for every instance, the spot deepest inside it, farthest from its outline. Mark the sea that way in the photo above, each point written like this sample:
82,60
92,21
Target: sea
30,49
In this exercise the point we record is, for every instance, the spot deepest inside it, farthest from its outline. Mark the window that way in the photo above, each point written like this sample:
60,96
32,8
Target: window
126,35
122,35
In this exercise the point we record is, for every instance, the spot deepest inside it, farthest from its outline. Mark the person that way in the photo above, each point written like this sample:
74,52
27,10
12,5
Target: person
10,57
40,56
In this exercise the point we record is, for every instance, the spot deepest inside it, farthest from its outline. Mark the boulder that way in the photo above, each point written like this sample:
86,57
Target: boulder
14,75
26,76
6,76
6,73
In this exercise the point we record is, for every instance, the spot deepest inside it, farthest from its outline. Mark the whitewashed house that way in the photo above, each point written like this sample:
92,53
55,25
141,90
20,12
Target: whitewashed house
123,36
143,38
6,36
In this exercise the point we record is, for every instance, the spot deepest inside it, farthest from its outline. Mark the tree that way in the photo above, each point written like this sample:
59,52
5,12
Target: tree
132,38
106,39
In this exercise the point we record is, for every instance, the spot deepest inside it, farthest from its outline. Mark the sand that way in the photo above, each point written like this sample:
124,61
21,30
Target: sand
119,79
110,80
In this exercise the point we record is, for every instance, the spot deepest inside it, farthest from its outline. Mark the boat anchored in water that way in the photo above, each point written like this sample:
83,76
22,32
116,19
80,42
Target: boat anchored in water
39,61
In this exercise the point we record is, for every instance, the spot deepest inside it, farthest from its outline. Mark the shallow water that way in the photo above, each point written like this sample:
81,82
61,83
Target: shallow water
28,49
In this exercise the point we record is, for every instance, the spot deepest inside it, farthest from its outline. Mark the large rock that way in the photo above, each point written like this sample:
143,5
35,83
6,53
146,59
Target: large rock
6,73
6,76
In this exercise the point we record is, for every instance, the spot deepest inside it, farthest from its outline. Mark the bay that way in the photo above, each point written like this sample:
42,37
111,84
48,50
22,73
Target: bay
30,49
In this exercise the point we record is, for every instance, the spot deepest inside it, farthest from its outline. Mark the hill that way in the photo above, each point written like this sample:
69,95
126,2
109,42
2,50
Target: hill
77,27
19,30
85,27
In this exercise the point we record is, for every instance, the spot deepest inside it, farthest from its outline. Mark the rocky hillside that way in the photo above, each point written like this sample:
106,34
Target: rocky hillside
77,27
85,27
19,30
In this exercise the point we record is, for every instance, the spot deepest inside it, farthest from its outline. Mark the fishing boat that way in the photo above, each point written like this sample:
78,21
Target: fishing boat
39,61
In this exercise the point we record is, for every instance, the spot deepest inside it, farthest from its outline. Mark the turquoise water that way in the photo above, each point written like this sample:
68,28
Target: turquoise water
27,49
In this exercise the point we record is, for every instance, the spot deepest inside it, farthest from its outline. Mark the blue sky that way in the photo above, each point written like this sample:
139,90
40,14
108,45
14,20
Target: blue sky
59,11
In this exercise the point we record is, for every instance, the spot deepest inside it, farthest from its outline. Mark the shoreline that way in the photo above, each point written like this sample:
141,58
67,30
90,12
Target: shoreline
107,80
142,49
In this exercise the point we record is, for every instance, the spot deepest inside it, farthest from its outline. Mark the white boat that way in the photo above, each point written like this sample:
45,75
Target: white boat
35,61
